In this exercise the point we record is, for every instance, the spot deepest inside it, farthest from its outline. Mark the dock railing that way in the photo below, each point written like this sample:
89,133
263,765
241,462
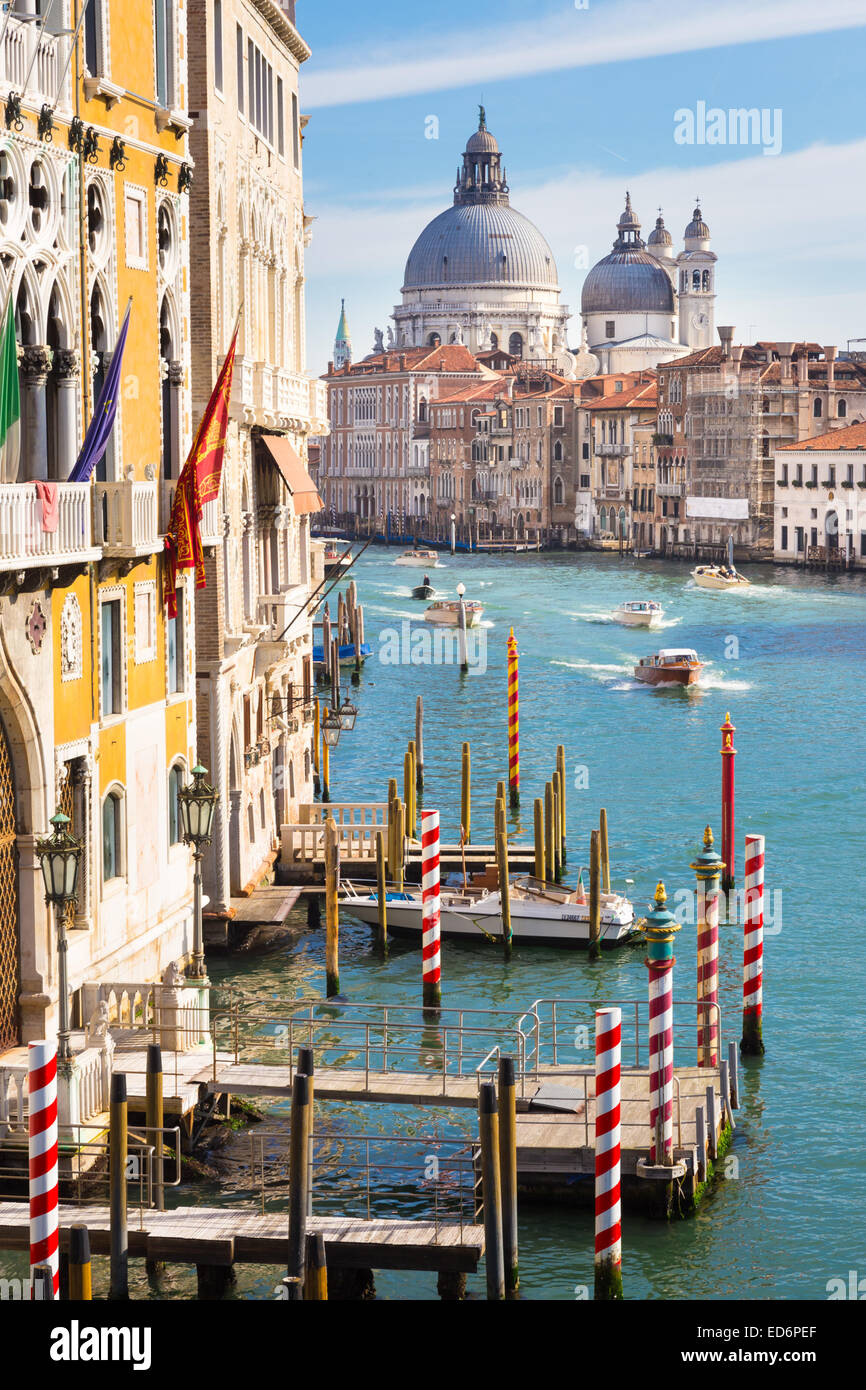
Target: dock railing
372,1038
561,1032
357,823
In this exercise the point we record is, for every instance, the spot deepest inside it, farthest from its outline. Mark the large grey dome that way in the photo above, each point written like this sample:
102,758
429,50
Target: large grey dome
479,244
627,282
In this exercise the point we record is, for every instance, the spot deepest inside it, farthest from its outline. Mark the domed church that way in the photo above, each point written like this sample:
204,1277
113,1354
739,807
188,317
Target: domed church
641,304
481,273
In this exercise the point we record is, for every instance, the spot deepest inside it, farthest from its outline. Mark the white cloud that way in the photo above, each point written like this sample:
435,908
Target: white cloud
568,38
785,230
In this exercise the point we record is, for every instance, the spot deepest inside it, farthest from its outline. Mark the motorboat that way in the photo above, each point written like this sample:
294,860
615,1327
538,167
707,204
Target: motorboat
423,559
721,576
446,612
639,613
336,561
424,590
546,914
670,666
605,541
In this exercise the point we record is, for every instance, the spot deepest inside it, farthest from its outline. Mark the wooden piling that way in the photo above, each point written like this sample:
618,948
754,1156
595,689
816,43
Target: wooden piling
560,767
594,894
381,890
332,911
326,771
80,1285
466,793
306,1065
701,1139
549,831
117,1150
355,623
409,792
42,1283
317,719
299,1174
335,673
508,1171
154,1120
419,742
539,839
413,753
557,842
400,843
316,1277
504,886
488,1131
605,851
712,1122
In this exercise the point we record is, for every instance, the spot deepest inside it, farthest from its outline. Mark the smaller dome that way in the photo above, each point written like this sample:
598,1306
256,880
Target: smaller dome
660,236
698,228
482,142
629,218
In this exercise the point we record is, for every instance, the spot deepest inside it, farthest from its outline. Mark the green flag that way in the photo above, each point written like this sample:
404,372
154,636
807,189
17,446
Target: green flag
10,399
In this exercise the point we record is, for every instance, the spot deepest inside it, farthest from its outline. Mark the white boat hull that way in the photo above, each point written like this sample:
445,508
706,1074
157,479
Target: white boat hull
716,581
446,617
420,562
650,620
539,923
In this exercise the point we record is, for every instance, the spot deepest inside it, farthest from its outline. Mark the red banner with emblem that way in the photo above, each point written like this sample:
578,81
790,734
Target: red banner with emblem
198,483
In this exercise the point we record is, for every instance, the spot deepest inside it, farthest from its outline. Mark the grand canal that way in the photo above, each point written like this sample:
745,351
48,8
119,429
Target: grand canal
786,659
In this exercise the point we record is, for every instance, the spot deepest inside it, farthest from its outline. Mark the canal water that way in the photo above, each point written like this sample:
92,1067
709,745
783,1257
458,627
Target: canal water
786,658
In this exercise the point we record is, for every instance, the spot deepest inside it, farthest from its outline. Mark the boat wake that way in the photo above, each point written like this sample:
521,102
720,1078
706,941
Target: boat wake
715,680
598,670
590,617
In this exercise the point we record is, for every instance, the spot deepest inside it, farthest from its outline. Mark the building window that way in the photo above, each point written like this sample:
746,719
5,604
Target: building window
817,408
842,410
144,617
164,45
557,451
218,45
111,685
610,328
94,39
557,492
584,480
784,545
175,783
135,218
176,647
112,836
260,87
557,414
239,47
296,132
281,139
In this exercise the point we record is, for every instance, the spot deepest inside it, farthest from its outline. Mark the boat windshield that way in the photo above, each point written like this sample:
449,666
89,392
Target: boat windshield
672,656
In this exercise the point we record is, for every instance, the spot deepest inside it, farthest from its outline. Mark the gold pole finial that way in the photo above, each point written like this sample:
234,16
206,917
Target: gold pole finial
708,838
661,895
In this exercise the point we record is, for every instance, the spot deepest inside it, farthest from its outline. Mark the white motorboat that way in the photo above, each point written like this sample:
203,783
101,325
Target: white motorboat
546,914
721,576
423,559
639,613
446,612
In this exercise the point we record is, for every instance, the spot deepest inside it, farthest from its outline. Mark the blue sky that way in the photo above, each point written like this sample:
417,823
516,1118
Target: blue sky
583,103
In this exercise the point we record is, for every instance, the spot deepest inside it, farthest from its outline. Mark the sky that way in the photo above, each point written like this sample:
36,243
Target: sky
588,98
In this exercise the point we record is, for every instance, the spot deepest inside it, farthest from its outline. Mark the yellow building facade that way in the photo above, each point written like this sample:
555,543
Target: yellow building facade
97,687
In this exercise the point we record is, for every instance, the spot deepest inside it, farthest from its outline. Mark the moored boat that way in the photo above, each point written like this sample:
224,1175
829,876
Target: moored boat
541,913
670,666
425,559
336,561
639,613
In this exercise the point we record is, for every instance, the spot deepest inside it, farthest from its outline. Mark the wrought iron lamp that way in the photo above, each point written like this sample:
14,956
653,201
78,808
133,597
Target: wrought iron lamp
197,806
59,858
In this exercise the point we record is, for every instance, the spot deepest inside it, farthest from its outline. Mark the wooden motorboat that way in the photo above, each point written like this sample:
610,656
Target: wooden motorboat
424,559
424,590
720,576
446,612
336,561
639,613
546,914
670,666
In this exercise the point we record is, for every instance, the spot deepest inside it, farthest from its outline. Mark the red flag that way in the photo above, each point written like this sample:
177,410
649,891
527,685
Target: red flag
198,483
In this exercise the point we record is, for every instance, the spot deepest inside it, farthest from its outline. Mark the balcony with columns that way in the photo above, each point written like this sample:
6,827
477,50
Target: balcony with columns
275,398
34,65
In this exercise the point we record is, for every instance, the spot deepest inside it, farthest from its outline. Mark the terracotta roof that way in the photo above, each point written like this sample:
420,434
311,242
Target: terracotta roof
449,357
849,437
481,391
638,397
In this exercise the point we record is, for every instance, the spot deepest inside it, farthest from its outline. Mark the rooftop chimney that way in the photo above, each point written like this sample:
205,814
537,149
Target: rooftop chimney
737,358
402,361
786,351
726,337
830,354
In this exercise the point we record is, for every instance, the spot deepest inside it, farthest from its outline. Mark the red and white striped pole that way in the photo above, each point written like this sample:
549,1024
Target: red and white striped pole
430,953
42,1155
608,1228
659,931
753,949
708,867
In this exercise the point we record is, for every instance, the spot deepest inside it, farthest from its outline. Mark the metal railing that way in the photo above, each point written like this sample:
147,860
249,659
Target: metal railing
559,1028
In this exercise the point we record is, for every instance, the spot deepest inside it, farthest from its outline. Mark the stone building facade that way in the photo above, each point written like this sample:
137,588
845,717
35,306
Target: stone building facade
249,236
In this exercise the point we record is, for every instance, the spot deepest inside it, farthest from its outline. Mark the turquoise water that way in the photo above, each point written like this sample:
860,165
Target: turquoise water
786,658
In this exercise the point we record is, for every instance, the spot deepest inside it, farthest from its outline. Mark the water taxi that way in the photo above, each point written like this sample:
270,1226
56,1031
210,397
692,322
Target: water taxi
670,666
446,612
721,576
424,559
545,914
336,561
639,613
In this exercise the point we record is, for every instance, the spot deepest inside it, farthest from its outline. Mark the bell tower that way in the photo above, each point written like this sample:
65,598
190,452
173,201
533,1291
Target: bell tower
696,266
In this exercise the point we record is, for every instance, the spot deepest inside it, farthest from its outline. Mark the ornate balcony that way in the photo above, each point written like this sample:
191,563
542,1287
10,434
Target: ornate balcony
25,544
125,519
620,450
35,63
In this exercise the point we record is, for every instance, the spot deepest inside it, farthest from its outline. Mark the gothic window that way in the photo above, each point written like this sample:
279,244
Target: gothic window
557,451
817,408
113,857
515,344
557,492
841,410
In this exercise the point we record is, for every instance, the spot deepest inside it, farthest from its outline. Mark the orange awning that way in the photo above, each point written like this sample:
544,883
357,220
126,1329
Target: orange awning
305,498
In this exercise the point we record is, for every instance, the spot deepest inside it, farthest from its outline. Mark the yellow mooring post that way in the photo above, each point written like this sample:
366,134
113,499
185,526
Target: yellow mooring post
399,842
539,839
557,821
466,794
560,767
502,865
594,898
392,827
409,792
80,1288
413,751
316,1277
549,832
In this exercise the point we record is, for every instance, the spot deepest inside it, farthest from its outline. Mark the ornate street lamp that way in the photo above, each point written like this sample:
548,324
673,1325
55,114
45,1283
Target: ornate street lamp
461,630
347,714
59,857
332,727
197,805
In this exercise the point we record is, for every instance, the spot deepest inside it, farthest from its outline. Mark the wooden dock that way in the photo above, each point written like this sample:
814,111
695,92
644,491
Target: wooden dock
223,1236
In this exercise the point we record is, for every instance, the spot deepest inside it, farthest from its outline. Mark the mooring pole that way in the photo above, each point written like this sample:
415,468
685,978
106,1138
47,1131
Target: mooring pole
560,767
431,961
316,1280
513,722
752,1044
299,1146
608,1229
381,890
594,895
332,911
504,886
708,867
419,740
659,930
557,821
154,1120
508,1170
549,832
117,1151
605,850
466,793
729,754
80,1284
538,812
488,1131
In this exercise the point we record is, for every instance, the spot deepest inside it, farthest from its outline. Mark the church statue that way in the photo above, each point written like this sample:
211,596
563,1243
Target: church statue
378,340
458,335
482,118
390,337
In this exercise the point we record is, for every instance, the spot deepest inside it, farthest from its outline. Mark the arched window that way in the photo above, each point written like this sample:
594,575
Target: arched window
705,280
557,451
696,279
818,408
434,340
112,836
604,519
494,341
175,782
841,410
515,345
422,410
557,492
